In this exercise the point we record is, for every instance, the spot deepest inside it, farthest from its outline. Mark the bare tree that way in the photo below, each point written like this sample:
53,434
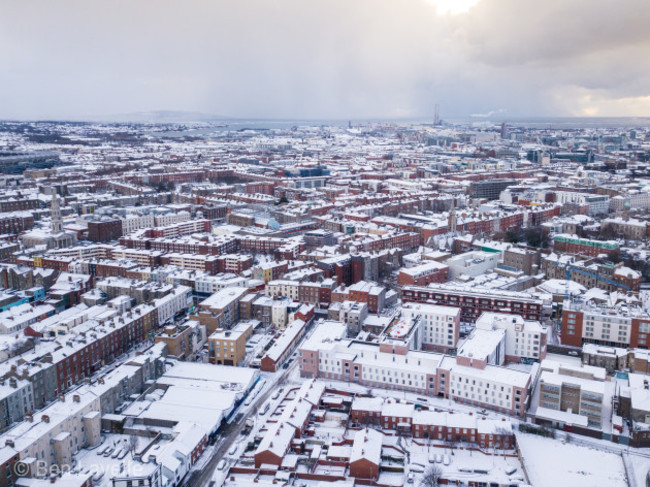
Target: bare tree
132,444
431,477
501,438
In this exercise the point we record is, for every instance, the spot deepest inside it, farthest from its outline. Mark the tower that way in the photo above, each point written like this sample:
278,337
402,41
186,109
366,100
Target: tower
452,217
55,213
436,116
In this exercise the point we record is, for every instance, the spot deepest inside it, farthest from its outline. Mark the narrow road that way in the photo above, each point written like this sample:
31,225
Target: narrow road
231,432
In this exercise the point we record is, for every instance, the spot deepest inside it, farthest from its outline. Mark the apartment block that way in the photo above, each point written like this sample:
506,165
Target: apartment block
221,310
577,390
327,355
621,325
572,244
181,340
367,292
104,230
228,347
524,339
474,300
235,263
440,325
492,387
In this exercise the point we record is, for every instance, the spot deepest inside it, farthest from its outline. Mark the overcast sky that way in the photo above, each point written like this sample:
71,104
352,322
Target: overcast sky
335,59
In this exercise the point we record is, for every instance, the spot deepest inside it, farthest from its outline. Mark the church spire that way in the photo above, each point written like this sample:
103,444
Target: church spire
452,217
55,213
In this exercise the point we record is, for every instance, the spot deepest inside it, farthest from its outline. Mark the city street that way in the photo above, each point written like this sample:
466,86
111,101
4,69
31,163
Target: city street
231,432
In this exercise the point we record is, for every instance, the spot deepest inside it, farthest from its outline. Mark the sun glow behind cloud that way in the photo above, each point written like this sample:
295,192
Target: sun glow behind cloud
452,7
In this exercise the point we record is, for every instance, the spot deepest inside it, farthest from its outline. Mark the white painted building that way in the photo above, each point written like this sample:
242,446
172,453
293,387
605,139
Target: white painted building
134,222
599,325
472,264
440,324
206,284
494,387
167,307
523,338
282,287
171,218
598,204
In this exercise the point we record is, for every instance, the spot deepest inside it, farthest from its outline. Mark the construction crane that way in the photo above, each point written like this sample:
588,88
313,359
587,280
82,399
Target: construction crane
571,268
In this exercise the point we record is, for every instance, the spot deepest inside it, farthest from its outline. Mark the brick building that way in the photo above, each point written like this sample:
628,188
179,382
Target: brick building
366,292
423,274
473,301
104,230
572,244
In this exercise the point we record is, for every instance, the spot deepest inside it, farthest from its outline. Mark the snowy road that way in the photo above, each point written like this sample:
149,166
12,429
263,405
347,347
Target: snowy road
231,432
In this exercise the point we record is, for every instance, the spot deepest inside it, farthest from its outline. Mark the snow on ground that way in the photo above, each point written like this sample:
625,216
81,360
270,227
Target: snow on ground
109,465
333,428
443,404
219,476
637,469
465,465
637,460
256,346
552,463
391,478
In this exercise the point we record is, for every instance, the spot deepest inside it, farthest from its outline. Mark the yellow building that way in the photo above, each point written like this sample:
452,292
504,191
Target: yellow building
228,347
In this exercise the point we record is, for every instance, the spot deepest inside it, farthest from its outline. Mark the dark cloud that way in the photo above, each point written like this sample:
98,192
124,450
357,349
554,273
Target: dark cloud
521,32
